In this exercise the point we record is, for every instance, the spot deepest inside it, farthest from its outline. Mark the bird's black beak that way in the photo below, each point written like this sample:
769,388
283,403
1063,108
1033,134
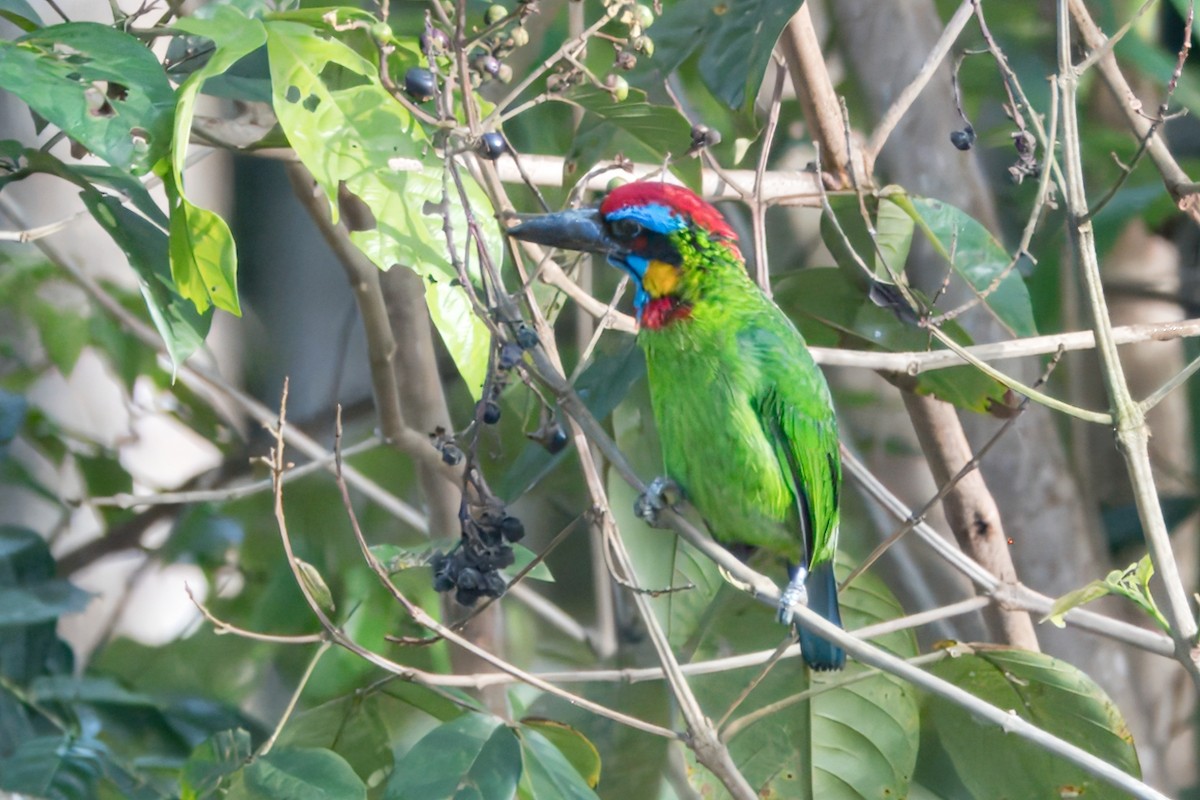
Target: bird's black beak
577,229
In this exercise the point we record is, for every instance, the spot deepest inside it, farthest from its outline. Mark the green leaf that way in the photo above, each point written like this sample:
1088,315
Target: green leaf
181,327
62,331
475,754
830,309
1074,599
1047,692
523,556
463,332
434,703
650,132
576,747
203,258
86,689
40,602
101,86
547,773
353,136
302,773
355,727
315,584
21,14
211,764
975,256
735,39
855,739
62,767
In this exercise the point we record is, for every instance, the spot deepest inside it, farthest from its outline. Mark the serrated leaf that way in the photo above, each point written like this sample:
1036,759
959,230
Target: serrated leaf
1047,692
473,753
303,773
101,86
213,762
652,133
576,747
547,774
315,584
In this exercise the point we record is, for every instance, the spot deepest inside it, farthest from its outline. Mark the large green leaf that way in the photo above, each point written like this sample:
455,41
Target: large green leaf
576,747
974,255
352,135
40,602
548,774
473,756
203,258
182,328
831,309
21,14
61,767
857,740
101,86
735,39
302,773
1051,694
633,128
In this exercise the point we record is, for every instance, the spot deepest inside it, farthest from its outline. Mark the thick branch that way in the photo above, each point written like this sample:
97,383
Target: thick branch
970,509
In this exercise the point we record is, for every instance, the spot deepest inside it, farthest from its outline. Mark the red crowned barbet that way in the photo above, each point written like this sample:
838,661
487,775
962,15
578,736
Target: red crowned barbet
747,425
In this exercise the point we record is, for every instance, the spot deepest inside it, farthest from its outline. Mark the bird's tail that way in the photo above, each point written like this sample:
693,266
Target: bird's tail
818,653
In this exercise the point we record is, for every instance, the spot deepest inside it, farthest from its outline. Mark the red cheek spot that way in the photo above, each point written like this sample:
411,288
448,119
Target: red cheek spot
662,311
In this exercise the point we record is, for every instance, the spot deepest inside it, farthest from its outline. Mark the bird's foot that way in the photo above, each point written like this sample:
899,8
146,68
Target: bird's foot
662,493
794,595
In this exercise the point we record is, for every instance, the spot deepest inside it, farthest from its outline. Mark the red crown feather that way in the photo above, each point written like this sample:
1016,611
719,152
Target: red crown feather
682,201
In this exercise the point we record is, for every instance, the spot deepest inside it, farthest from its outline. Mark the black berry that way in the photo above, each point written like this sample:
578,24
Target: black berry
489,412
526,337
469,578
451,454
556,440
495,585
434,41
510,355
466,597
492,146
512,528
963,139
419,84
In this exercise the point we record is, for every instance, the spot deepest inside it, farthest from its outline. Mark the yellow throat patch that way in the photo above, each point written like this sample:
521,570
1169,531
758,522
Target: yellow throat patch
660,279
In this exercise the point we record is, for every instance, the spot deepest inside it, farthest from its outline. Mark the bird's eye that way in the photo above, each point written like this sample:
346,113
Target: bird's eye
626,228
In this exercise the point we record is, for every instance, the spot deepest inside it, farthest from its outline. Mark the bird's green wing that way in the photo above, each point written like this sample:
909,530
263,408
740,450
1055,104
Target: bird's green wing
805,439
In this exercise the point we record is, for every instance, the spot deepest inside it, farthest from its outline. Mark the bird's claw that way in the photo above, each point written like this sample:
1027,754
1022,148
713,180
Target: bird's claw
662,493
794,595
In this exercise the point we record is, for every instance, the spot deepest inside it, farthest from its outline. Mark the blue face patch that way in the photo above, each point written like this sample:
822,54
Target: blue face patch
652,216
635,267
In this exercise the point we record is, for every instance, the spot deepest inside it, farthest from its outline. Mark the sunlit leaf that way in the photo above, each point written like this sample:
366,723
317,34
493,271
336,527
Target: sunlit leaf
101,86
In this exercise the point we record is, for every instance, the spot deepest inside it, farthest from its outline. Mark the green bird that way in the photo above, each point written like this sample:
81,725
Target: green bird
746,421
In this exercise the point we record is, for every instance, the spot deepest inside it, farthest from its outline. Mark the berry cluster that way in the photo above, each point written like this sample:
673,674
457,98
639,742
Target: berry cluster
472,568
